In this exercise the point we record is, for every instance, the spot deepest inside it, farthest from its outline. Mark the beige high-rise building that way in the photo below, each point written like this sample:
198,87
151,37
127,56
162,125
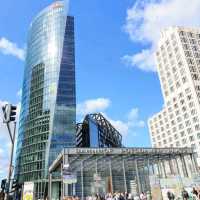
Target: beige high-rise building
178,65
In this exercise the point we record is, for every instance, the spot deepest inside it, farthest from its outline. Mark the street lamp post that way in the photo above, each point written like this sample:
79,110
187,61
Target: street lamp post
9,115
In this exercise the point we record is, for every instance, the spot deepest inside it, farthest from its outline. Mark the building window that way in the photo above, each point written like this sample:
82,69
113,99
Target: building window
184,79
195,77
189,97
191,138
188,123
177,143
189,130
193,111
193,146
195,119
197,127
175,136
184,141
181,126
181,33
190,61
188,54
182,133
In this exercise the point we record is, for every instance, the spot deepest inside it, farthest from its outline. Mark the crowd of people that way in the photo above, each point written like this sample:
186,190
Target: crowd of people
115,196
194,195
120,196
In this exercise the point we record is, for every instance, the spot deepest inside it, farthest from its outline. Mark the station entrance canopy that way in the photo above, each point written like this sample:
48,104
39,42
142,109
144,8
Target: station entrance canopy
132,170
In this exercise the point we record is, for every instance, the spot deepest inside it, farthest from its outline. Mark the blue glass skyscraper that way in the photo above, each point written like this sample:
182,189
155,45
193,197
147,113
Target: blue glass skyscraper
48,105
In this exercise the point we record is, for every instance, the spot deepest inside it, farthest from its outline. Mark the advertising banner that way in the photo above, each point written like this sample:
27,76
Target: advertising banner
28,191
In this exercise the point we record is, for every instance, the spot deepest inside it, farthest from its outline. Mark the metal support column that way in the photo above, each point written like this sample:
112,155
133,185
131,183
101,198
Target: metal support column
144,185
11,168
62,191
148,166
96,165
137,176
65,185
171,167
124,173
164,169
148,173
159,170
82,183
184,166
111,178
195,163
50,186
177,166
153,170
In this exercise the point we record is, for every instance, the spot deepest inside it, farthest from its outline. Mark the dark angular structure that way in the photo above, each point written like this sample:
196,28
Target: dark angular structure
97,131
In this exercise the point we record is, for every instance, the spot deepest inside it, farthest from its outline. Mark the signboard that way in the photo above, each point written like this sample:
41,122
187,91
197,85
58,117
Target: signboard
97,177
69,177
28,191
127,151
155,188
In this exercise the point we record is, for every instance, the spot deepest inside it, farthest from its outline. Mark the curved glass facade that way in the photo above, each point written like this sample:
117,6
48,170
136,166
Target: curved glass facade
48,106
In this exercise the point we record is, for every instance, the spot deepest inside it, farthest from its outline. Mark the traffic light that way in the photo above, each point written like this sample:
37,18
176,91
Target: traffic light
15,185
3,184
9,113
13,112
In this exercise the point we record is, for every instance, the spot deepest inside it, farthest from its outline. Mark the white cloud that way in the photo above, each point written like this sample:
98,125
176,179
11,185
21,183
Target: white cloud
93,105
129,125
133,114
145,20
142,60
9,48
101,105
121,126
1,151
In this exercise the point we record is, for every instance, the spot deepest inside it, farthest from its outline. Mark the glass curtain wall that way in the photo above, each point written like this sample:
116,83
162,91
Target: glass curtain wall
48,105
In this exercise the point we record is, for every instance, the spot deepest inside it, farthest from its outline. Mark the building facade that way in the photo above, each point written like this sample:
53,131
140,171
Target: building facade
178,65
48,106
97,131
128,170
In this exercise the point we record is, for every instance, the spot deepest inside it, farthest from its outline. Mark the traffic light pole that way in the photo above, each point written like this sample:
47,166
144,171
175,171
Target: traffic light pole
9,115
12,137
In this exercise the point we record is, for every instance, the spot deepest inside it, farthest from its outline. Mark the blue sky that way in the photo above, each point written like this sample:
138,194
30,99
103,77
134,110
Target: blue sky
115,71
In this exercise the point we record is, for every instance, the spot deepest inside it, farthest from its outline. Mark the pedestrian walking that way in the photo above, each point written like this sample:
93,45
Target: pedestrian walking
170,195
185,195
195,193
143,196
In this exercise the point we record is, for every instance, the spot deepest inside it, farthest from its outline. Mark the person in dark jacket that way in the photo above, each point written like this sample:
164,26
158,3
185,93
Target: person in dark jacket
185,195
195,192
170,195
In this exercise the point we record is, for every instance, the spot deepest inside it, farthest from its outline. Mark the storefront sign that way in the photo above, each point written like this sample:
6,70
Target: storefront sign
28,191
127,151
